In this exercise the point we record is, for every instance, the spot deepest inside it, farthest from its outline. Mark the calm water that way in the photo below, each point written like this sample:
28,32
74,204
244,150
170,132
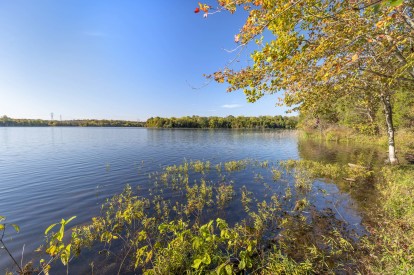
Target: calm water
51,173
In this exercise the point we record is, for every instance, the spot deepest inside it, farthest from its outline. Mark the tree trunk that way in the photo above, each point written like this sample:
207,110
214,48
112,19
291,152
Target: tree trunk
390,129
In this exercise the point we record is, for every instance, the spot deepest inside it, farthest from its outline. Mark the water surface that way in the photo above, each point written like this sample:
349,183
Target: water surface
51,173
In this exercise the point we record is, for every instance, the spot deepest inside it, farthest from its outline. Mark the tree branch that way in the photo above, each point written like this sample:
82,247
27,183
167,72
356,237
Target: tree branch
387,76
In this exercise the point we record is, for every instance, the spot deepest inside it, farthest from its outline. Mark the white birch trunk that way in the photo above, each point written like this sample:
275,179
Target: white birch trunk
392,157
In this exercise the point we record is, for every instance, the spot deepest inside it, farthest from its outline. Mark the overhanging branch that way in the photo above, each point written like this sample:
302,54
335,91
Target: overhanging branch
387,76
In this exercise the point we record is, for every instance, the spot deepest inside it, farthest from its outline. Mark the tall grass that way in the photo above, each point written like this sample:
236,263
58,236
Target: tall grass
390,247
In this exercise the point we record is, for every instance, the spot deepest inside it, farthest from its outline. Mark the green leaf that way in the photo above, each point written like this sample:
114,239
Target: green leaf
163,228
219,269
229,269
70,219
2,218
157,245
49,228
242,264
207,259
221,224
395,3
16,227
64,257
67,248
225,234
197,263
197,242
61,233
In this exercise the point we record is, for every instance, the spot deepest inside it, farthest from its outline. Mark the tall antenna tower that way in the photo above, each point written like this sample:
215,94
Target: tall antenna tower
51,116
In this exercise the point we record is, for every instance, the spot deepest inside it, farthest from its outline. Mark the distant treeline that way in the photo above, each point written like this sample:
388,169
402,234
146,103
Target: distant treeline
240,122
6,121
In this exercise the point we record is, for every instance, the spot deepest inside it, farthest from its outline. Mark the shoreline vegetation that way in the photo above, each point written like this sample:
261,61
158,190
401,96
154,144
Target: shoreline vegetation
193,122
404,138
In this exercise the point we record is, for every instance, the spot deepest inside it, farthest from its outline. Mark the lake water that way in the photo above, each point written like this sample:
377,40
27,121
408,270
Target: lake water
51,173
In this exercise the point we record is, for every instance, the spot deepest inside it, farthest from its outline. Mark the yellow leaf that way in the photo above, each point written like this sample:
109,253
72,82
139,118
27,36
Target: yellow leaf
355,57
379,24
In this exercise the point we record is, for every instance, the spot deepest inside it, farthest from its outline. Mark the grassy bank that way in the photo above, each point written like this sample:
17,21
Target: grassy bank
390,247
404,139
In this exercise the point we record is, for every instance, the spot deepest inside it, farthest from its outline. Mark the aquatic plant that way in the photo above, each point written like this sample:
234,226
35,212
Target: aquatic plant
234,165
279,232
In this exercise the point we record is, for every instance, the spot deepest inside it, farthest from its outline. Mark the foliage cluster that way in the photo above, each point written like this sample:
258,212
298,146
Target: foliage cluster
350,118
232,122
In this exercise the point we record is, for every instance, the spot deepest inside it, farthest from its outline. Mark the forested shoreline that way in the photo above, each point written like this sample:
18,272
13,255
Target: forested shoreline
23,122
240,122
229,122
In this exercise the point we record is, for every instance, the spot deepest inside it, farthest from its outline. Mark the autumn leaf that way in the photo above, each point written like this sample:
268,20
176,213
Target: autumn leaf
355,57
218,76
379,24
203,7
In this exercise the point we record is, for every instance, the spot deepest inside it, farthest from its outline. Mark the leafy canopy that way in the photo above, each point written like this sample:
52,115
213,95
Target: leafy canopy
319,51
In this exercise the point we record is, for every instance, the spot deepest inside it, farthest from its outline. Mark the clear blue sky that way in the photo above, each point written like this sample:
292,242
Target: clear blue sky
125,59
